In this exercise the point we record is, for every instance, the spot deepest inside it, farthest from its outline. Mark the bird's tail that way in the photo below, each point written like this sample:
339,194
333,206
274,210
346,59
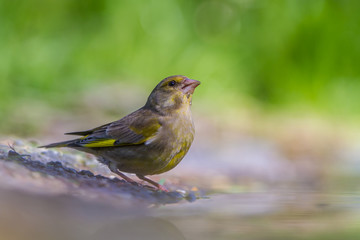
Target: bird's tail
60,144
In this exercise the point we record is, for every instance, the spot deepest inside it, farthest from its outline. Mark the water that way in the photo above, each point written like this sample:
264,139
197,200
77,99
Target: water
256,216
268,215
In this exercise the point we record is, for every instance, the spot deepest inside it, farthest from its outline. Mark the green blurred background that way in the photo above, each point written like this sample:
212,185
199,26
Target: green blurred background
280,56
278,107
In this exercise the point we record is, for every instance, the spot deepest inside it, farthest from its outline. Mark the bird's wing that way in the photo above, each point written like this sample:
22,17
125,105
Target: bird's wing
87,132
136,128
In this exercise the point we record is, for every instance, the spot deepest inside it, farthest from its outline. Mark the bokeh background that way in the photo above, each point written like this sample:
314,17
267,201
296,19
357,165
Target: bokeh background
276,56
278,107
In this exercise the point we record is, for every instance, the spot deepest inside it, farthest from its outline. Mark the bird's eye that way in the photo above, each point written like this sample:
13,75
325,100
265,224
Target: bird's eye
172,83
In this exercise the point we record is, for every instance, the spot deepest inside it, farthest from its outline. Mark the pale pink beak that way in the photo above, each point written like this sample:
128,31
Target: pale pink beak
189,85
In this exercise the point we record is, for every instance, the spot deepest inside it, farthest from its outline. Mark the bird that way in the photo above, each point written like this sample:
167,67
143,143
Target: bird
149,141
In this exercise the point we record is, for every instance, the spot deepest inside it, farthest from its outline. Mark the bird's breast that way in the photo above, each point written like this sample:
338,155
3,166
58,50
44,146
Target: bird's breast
175,138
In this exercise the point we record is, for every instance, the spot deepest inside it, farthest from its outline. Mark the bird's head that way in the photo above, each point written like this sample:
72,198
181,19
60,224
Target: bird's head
172,93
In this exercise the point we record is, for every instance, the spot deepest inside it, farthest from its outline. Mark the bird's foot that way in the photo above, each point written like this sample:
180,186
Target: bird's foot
162,188
129,180
158,185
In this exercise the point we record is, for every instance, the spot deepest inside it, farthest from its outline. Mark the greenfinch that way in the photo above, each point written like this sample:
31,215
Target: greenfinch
151,140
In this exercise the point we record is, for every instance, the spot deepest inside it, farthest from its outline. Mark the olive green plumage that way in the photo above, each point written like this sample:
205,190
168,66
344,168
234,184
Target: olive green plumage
151,140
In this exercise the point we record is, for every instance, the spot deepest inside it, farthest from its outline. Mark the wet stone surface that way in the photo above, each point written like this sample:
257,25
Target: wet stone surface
46,171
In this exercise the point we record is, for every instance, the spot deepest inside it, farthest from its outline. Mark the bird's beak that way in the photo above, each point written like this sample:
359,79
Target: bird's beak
189,85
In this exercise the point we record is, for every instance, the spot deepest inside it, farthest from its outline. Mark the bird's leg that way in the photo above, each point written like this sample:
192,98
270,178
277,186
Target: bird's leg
114,169
125,177
159,186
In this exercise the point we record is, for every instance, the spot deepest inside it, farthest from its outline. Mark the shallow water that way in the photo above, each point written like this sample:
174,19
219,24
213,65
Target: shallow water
267,215
261,215
255,216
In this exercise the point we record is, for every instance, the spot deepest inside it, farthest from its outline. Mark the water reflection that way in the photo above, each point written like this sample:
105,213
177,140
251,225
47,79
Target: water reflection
268,215
260,215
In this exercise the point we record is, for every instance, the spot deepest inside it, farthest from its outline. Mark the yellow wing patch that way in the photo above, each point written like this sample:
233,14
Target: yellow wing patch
101,143
84,137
